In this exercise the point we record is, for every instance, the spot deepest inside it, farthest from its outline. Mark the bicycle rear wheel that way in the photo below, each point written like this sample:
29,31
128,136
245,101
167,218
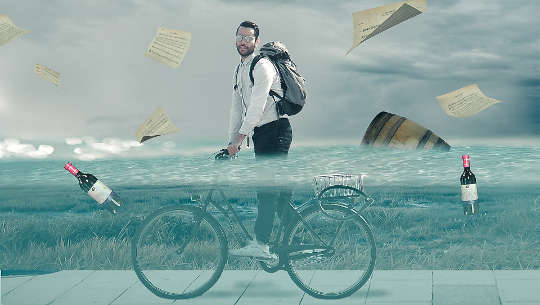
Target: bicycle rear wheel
331,254
179,252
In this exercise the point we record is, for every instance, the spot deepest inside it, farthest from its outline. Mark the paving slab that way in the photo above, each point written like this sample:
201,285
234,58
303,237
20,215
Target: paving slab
465,295
137,294
359,297
402,275
169,280
178,281
9,283
517,274
271,288
335,281
517,290
518,286
463,277
100,288
227,289
519,303
44,289
256,287
395,303
404,286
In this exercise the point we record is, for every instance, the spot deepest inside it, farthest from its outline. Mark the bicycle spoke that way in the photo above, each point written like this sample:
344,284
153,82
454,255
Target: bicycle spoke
337,233
179,252
348,261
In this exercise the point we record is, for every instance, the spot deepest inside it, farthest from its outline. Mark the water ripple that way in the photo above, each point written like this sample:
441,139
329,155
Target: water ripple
491,165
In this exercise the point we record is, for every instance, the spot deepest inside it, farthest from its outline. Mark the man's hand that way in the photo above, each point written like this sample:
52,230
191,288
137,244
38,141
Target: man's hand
234,147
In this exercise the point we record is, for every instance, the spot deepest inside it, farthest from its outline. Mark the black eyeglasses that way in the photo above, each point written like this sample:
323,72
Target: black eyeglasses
247,39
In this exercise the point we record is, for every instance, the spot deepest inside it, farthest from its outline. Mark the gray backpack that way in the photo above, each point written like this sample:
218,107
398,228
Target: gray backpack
292,83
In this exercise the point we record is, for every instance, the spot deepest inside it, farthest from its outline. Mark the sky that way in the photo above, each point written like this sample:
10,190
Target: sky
108,87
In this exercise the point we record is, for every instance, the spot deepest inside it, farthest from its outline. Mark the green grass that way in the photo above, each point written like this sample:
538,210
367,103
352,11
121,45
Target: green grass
56,229
441,237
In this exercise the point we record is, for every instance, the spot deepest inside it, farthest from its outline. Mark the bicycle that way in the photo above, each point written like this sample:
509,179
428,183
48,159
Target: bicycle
179,252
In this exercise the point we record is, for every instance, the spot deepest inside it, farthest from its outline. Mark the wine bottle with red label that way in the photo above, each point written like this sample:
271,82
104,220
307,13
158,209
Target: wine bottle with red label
96,189
469,192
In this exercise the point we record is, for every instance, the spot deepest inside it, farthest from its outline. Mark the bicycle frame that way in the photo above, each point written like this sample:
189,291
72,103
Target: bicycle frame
277,245
295,240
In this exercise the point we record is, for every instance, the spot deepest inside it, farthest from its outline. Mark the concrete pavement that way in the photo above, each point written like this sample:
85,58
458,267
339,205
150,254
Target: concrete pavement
255,287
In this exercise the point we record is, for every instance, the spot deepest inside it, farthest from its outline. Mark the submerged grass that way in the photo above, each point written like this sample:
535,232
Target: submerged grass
414,228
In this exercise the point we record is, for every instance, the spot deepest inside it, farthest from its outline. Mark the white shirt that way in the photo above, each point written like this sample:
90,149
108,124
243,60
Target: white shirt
252,106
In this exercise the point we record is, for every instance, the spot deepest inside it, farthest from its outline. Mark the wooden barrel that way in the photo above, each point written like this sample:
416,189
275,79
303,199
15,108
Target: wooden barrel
392,130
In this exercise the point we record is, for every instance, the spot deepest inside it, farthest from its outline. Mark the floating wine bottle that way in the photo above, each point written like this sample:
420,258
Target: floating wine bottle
96,189
469,192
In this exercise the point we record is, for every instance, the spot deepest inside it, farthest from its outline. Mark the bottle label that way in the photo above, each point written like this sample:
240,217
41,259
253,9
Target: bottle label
469,192
99,191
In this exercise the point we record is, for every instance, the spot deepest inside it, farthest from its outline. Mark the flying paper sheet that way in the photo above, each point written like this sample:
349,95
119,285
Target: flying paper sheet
169,46
47,74
156,125
8,31
368,23
465,102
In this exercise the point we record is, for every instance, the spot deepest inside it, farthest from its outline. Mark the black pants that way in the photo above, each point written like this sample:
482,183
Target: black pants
272,140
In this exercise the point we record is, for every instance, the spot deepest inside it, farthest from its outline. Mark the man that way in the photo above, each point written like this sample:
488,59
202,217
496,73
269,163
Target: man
254,111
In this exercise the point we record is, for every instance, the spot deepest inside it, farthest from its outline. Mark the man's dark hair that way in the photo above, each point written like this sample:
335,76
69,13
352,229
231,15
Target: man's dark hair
249,24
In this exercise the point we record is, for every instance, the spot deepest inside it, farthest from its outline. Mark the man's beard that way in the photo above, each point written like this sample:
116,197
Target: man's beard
249,51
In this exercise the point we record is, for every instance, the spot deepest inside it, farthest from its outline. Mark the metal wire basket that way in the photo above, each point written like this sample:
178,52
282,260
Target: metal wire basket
321,182
343,189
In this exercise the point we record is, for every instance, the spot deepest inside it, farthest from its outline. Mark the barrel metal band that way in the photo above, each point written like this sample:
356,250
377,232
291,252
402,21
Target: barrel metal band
390,134
376,126
424,139
440,143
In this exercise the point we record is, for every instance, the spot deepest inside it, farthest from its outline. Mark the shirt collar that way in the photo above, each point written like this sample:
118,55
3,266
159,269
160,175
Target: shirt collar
247,60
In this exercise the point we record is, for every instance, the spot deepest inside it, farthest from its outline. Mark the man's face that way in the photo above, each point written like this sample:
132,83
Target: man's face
243,47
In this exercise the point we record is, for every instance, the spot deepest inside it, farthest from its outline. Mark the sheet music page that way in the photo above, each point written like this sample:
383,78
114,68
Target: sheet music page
8,31
169,46
370,22
465,102
156,125
47,74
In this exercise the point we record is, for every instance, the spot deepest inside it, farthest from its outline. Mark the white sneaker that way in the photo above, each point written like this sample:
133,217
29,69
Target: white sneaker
254,249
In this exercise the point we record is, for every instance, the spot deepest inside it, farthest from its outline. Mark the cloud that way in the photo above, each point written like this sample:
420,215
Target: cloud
454,43
42,151
73,141
92,149
168,145
113,146
14,148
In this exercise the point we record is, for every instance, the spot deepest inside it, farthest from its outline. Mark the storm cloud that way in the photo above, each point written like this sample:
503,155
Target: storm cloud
108,87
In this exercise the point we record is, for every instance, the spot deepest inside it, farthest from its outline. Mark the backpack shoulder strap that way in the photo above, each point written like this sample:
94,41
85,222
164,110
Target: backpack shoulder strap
272,92
236,77
252,66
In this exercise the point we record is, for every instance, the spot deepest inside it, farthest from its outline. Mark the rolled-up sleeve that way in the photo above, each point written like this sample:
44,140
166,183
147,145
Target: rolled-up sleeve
263,75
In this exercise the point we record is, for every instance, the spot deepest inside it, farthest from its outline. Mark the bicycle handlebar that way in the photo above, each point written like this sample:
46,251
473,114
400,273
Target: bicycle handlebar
223,154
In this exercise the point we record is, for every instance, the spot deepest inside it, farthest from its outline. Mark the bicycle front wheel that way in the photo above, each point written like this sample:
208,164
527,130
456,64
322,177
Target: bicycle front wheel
331,253
179,252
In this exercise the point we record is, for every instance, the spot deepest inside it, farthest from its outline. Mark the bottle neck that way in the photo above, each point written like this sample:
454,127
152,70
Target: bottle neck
72,169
